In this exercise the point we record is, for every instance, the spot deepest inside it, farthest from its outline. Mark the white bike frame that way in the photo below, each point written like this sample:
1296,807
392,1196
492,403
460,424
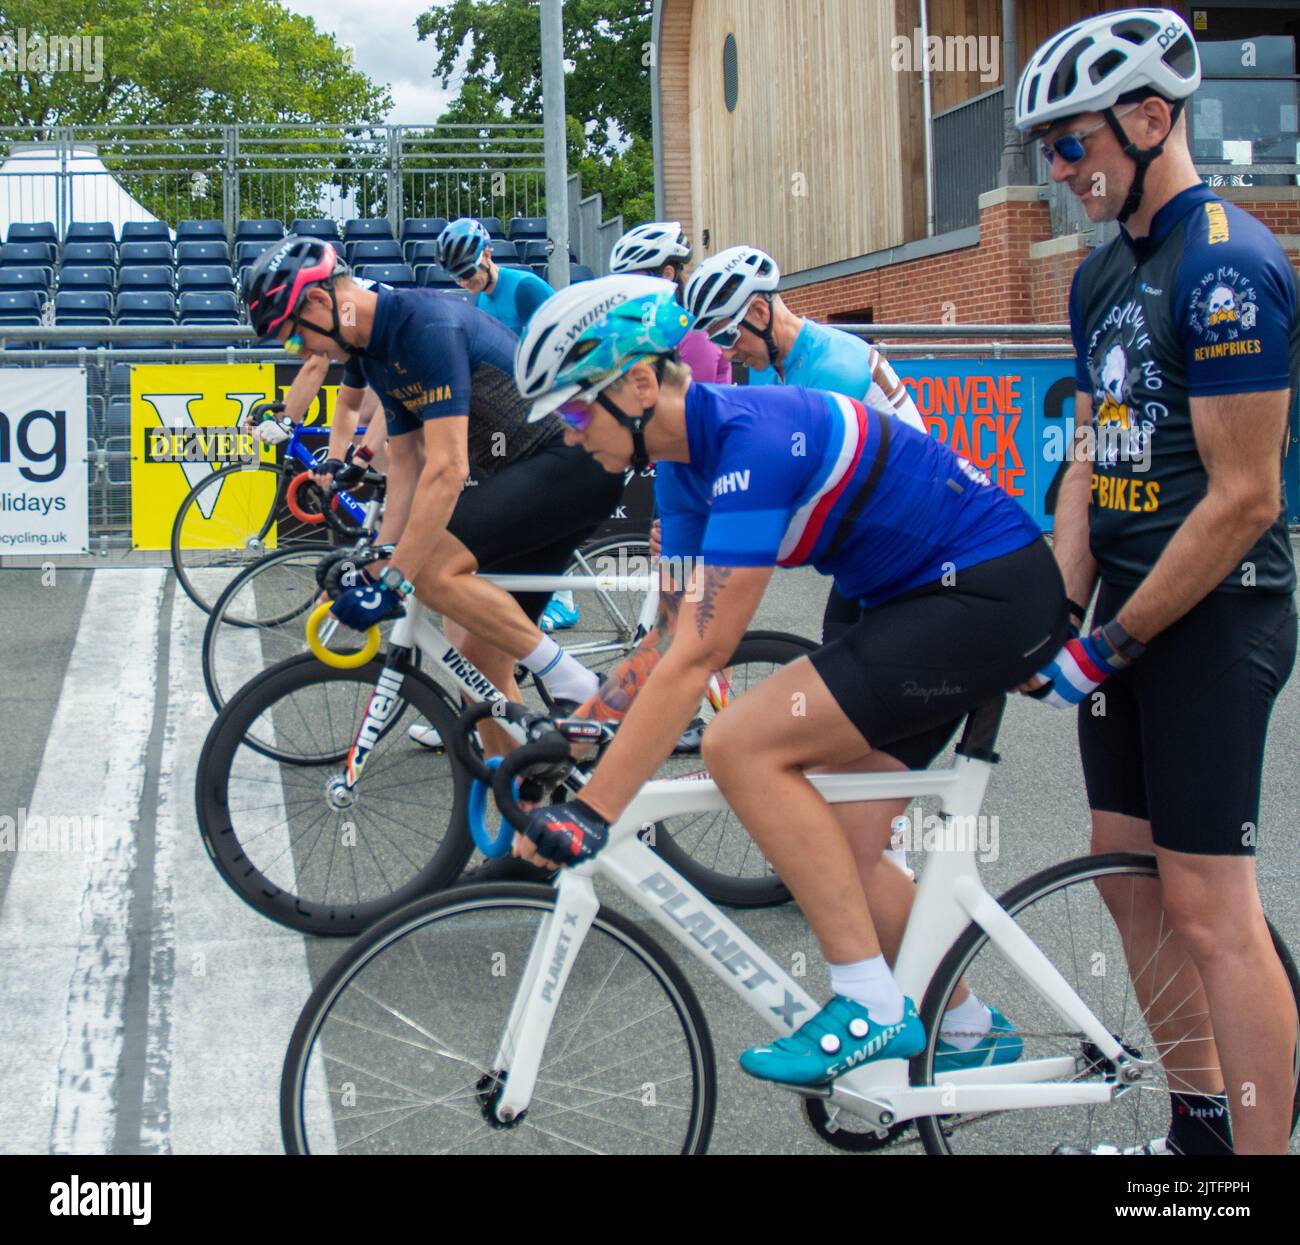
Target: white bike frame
949,896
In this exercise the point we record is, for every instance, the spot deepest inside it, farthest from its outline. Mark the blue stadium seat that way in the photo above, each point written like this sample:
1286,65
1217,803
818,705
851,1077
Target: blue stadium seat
580,272
38,279
199,231
367,227
326,229
27,255
70,304
400,276
504,251
16,306
145,231
262,230
145,277
420,229
78,278
493,225
90,231
435,277
205,277
534,251
248,251
526,227
32,231
146,253
425,252
373,251
82,254
145,302
205,251
541,270
220,344
87,319
207,304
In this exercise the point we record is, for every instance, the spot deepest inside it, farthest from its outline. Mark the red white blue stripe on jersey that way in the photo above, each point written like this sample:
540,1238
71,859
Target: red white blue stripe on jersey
850,420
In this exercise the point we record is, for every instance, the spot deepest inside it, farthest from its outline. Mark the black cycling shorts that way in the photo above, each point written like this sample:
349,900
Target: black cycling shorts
1177,739
530,516
907,671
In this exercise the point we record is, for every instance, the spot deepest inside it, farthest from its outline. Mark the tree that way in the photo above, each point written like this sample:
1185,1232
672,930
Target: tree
607,83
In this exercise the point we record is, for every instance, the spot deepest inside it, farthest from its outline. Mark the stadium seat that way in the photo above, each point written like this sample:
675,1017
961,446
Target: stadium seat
82,254
20,306
541,270
145,231
580,272
534,251
146,253
27,255
399,276
78,278
420,229
32,231
38,279
220,344
72,304
86,319
145,302
204,305
205,277
326,229
435,277
204,251
373,251
90,231
493,225
260,230
199,231
504,251
145,277
526,227
248,251
367,227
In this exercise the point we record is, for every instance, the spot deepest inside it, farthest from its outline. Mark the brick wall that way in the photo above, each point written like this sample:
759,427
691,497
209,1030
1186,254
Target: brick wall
1017,274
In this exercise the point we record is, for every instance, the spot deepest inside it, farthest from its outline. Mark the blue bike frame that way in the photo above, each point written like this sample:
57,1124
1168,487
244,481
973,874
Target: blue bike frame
297,449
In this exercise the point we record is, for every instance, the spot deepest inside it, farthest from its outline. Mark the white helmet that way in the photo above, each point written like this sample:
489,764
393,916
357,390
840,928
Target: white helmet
649,247
1089,66
720,288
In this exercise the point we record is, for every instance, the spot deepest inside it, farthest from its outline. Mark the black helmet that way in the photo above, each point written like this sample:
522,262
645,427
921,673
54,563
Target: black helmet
275,285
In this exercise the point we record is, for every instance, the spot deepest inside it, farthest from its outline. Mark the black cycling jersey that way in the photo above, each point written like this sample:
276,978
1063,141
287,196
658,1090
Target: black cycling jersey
1205,304
433,357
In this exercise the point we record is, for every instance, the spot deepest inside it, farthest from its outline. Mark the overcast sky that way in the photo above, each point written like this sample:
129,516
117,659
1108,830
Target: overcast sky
382,35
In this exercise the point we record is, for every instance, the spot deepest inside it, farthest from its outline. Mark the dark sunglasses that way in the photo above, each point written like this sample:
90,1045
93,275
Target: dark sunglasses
1070,147
575,413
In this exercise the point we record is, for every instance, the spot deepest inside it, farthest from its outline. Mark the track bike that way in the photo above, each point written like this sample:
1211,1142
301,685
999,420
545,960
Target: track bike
511,1018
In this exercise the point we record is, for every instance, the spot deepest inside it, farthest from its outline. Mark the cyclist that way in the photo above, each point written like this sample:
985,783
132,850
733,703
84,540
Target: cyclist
963,596
443,373
1187,332
509,295
732,295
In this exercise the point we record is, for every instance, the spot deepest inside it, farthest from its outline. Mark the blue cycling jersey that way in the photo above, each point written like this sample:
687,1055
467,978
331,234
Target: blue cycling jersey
514,298
831,359
782,477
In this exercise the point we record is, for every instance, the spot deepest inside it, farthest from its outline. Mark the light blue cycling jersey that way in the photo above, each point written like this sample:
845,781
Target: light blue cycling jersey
514,298
792,477
831,359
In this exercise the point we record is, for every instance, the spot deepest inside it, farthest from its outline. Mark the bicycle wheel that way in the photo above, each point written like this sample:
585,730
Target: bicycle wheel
286,837
259,620
394,1052
714,851
607,621
1067,911
230,518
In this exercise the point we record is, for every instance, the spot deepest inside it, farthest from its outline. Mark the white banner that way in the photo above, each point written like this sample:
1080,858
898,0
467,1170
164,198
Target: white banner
44,494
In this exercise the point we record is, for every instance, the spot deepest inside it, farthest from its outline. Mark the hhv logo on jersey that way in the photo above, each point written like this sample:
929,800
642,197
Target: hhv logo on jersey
732,482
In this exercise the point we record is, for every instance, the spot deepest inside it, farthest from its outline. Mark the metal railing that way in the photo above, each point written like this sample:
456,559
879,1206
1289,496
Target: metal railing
279,171
967,154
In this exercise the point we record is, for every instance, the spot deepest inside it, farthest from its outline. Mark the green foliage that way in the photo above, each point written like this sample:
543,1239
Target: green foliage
607,86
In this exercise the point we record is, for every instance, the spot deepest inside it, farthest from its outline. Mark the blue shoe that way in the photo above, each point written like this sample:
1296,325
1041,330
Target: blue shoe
1002,1045
841,1036
557,616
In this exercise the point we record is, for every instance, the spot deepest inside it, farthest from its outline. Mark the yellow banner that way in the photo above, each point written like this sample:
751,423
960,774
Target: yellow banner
185,430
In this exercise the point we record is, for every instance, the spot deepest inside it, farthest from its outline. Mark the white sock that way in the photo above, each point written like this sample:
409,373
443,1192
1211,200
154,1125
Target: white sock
565,599
870,983
971,1020
564,677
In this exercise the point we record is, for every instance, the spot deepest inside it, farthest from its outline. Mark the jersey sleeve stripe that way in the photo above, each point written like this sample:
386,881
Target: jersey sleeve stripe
806,526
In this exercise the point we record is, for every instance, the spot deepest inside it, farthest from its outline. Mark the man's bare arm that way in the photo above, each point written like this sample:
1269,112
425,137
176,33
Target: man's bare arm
1070,527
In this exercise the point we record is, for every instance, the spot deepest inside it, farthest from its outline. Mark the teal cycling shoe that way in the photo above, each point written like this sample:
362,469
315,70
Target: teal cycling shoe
841,1036
557,616
1002,1045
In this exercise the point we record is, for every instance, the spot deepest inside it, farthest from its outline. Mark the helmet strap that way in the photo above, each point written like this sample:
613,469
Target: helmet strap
1140,157
334,332
769,339
635,424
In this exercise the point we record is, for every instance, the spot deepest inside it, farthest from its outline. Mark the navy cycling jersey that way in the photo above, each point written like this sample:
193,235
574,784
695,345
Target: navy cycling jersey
434,357
829,358
792,477
1205,304
514,298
